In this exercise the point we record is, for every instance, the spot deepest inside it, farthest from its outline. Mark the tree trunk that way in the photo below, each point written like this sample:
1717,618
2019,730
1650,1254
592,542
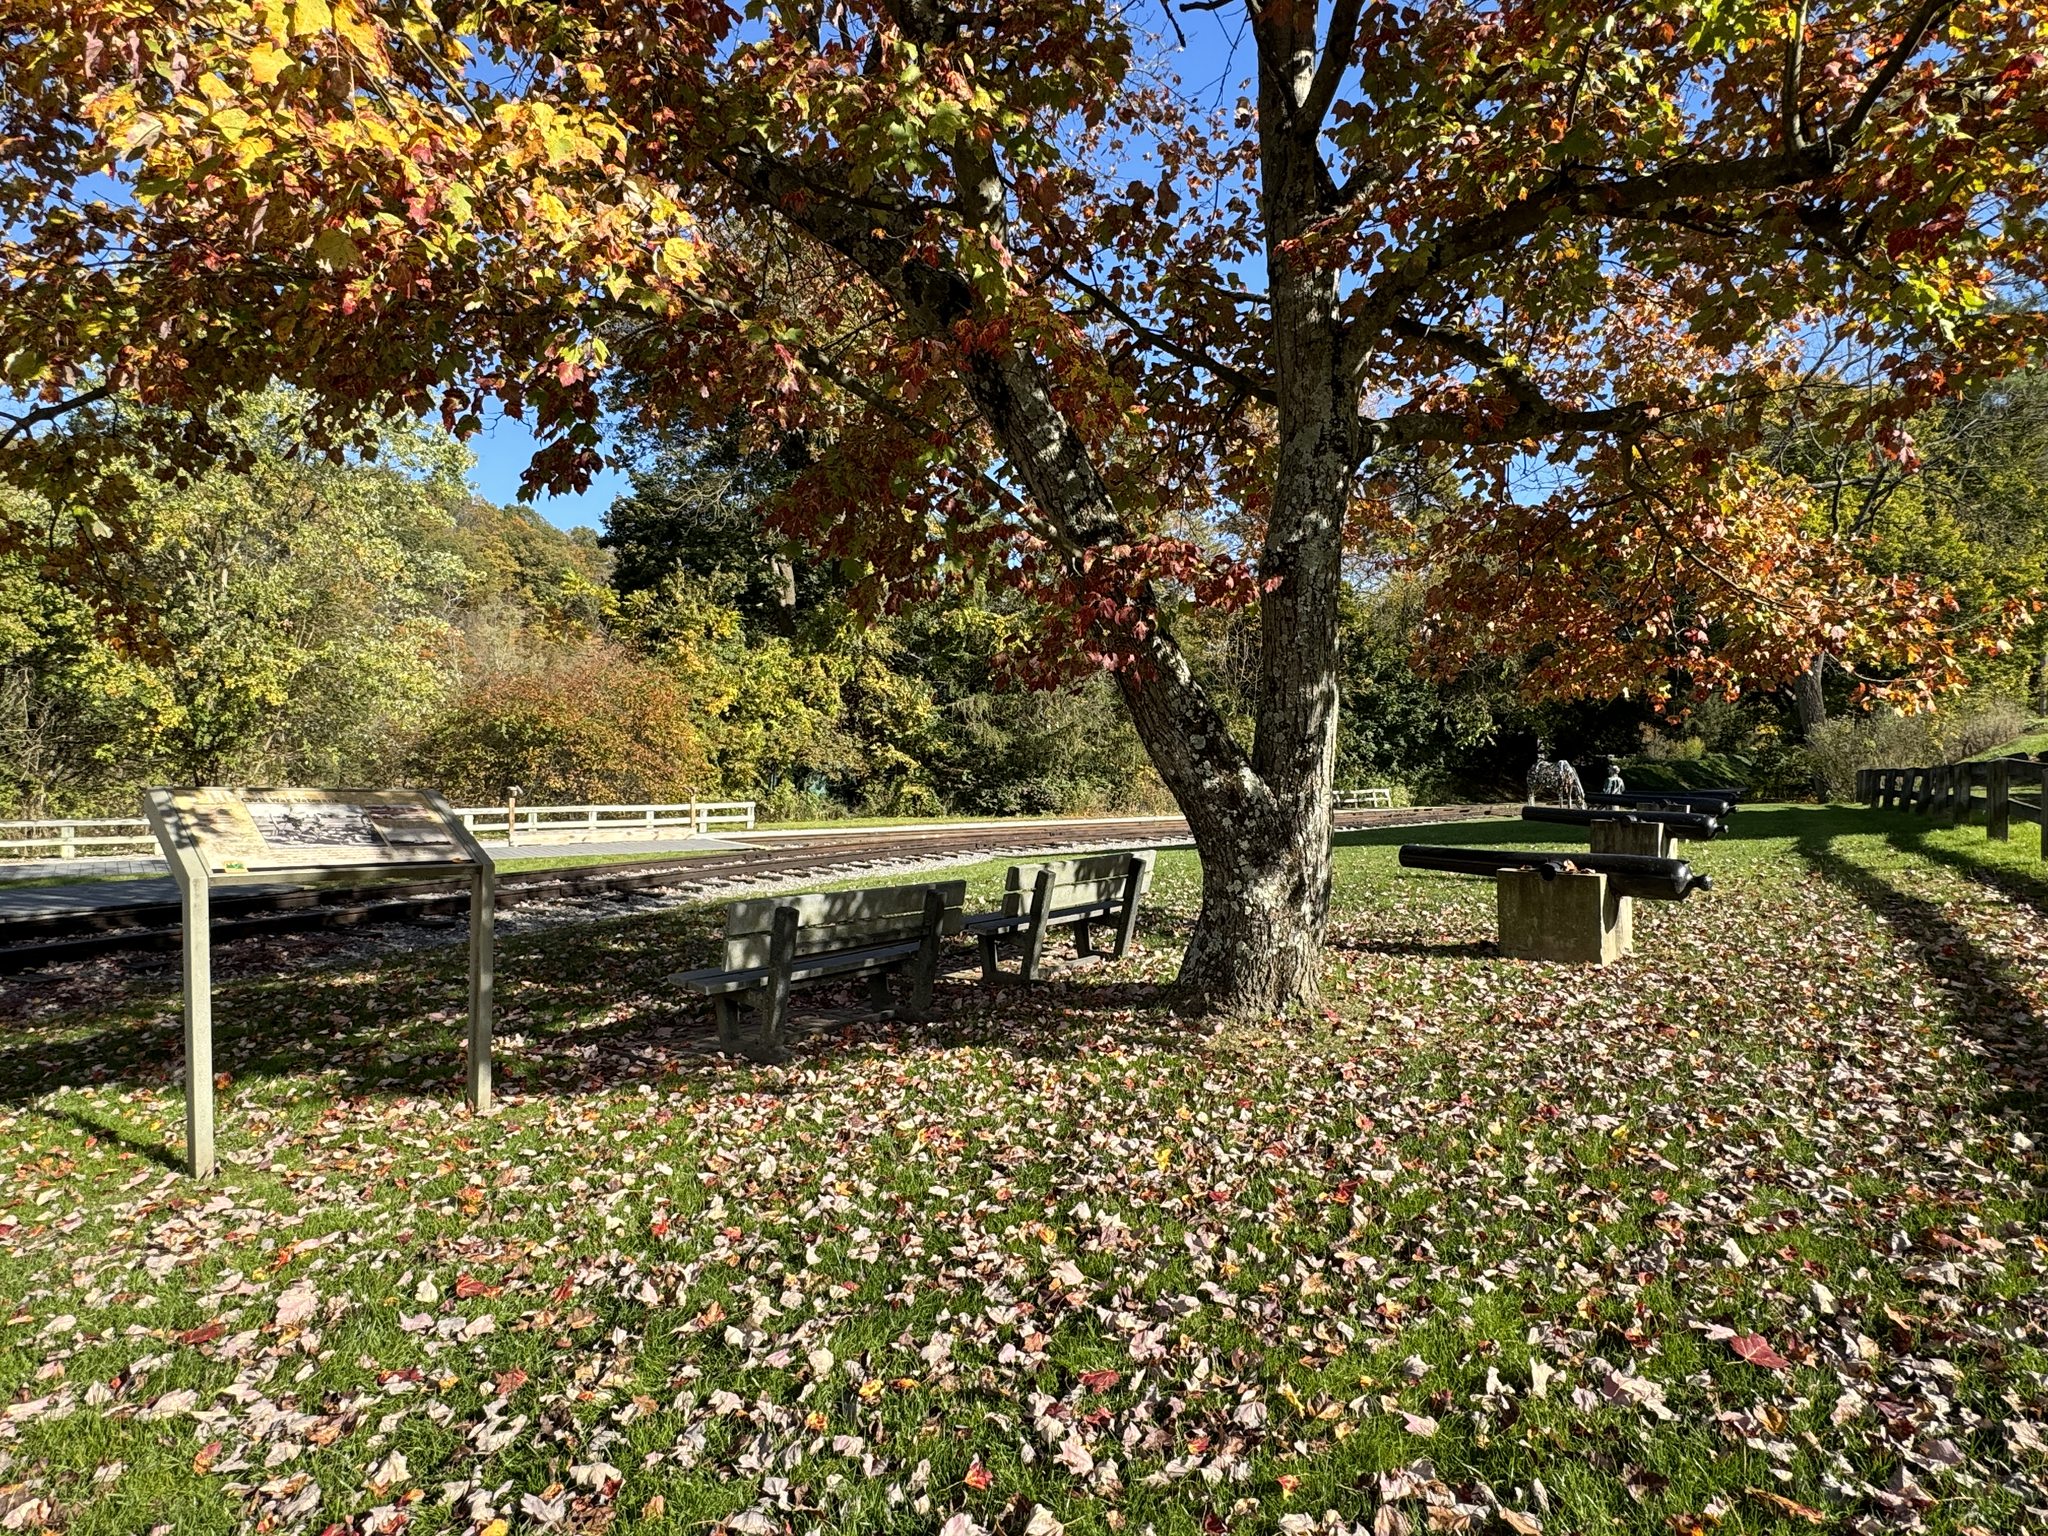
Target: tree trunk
1261,820
1808,698
1257,948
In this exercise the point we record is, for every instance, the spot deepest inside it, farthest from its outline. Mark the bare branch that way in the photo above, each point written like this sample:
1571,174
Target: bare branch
1929,15
1789,131
1245,383
18,426
1330,70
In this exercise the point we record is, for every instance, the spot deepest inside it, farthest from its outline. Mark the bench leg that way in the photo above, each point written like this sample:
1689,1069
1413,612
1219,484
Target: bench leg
1034,936
1134,888
726,1008
879,997
775,997
1081,938
924,968
989,970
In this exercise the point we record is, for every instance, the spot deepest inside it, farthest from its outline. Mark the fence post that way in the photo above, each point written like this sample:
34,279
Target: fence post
1997,809
67,832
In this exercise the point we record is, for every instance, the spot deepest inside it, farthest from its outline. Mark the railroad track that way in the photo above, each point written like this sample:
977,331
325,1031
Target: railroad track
30,941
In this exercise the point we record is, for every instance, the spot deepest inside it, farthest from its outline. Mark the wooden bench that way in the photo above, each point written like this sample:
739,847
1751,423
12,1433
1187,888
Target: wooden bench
776,943
1072,893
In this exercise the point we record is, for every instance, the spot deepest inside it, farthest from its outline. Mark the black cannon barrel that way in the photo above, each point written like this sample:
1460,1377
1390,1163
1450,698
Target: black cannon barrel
1628,874
1711,803
1696,825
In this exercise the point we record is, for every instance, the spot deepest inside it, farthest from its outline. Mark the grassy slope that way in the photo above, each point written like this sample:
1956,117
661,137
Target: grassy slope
2029,745
1064,1250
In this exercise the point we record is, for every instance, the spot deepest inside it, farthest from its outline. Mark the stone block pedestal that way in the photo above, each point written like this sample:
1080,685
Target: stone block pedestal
1644,837
1573,918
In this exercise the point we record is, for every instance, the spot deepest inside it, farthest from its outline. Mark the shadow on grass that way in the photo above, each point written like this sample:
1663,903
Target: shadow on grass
1490,832
1984,992
1420,949
2028,890
154,1150
580,1011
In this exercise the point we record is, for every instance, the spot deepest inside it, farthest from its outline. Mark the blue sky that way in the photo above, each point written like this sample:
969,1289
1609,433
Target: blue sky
502,450
1212,69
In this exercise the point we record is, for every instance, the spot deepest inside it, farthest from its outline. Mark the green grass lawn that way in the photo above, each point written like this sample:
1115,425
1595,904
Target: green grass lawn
1745,1234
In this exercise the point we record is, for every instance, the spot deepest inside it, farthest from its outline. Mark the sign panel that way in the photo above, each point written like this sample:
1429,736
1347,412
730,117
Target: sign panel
243,831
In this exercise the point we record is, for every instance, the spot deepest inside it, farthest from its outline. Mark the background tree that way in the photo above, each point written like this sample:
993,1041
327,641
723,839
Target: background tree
594,725
1038,314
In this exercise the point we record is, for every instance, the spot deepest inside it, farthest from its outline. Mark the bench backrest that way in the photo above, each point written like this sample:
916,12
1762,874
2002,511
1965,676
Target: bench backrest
829,921
1077,882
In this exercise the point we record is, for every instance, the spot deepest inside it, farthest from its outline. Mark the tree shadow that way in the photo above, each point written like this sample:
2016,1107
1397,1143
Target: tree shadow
1491,832
1985,993
598,1018
1421,949
2016,886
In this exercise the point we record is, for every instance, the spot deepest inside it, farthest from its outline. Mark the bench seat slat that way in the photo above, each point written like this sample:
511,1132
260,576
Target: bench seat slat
716,979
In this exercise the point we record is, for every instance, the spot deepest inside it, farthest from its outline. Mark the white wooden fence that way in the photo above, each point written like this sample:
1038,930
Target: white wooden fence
579,823
1363,799
71,839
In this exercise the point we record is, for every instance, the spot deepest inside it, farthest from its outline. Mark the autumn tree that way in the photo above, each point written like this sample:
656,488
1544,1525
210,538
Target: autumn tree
1038,310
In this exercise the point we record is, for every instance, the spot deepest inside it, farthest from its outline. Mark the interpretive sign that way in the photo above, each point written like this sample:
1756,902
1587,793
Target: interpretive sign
225,837
239,831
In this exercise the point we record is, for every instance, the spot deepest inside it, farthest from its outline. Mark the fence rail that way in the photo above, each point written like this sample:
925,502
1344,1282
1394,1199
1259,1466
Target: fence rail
65,839
1363,799
528,821
2015,789
73,838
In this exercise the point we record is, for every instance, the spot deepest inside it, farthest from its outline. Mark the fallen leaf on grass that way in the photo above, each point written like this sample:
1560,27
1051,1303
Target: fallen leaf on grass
1754,1348
1788,1506
297,1304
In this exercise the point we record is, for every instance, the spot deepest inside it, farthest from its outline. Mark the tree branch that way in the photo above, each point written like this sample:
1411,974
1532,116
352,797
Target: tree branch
1930,13
1195,357
1331,68
1789,131
1475,349
30,419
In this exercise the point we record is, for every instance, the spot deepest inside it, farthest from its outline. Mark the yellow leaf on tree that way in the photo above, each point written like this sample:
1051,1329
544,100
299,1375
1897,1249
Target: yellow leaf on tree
267,62
310,16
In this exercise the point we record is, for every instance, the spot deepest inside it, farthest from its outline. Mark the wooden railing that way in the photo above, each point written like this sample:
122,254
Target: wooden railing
67,839
527,823
2015,789
1363,799
75,838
